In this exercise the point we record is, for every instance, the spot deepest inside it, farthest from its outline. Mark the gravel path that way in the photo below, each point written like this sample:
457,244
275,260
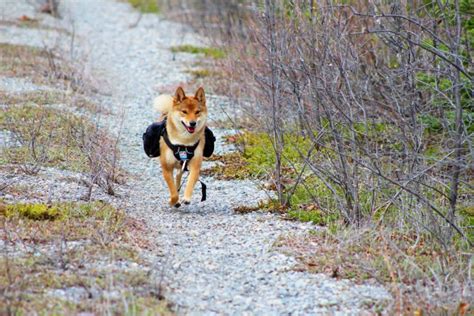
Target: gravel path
214,261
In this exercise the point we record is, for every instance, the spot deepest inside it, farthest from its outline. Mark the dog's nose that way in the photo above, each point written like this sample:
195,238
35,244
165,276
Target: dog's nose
192,123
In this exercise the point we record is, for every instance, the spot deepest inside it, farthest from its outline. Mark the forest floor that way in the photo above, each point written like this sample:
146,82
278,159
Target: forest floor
130,251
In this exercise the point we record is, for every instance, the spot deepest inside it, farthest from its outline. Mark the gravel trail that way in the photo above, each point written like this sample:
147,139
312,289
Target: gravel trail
214,261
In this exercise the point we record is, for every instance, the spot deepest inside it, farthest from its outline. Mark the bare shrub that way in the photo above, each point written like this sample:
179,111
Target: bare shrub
102,156
380,94
358,85
29,160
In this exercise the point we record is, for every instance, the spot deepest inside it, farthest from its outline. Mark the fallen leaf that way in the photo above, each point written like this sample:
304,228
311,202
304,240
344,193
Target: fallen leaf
25,18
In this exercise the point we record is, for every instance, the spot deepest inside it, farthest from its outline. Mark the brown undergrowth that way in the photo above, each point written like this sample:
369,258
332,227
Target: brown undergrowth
57,125
67,257
75,257
421,278
44,66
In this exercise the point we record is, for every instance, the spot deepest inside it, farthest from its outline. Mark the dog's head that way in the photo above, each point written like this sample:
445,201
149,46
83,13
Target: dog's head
190,111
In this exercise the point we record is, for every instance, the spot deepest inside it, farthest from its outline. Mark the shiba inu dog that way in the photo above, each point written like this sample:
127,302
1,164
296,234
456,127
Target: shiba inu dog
183,140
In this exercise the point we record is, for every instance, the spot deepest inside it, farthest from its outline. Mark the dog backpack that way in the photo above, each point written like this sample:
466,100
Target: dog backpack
151,140
209,145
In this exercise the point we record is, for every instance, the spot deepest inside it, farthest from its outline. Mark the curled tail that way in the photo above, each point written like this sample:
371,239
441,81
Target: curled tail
163,104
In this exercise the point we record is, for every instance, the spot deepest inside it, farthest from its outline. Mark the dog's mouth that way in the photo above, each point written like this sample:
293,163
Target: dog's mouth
189,128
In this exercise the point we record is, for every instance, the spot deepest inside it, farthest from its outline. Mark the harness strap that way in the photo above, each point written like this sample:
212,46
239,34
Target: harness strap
203,191
203,185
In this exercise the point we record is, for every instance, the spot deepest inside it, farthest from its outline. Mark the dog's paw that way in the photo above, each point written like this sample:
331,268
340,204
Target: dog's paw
186,202
174,202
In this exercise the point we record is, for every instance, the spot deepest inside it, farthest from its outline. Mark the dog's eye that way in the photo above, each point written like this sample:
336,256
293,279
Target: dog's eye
197,112
184,112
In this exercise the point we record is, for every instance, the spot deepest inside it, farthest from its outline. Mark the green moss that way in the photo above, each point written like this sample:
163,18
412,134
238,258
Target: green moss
36,212
63,211
257,161
258,153
212,52
145,6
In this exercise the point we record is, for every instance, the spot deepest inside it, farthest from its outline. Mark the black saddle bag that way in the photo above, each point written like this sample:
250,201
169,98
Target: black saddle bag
210,140
151,140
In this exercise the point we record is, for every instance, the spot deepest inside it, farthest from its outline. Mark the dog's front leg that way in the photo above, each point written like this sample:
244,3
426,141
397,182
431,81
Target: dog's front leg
194,169
168,175
179,175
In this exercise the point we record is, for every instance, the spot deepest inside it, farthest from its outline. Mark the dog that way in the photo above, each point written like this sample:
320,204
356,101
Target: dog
183,141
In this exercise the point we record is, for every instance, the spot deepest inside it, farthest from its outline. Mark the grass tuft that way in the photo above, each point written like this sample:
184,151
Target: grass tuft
212,52
200,73
145,6
231,166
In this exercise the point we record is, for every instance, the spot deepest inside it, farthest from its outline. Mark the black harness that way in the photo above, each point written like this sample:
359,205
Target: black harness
182,153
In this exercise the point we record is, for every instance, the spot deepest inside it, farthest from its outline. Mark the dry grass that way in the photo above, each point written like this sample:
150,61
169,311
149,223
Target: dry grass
42,66
422,277
27,22
88,249
46,138
246,209
55,97
231,166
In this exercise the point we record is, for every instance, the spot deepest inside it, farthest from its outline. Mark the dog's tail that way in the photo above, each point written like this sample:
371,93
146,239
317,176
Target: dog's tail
163,104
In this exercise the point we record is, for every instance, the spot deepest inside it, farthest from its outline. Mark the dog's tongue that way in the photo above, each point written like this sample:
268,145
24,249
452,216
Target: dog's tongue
190,129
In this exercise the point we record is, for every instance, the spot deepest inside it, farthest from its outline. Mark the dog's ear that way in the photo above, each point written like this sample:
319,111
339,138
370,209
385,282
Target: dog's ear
200,96
179,95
